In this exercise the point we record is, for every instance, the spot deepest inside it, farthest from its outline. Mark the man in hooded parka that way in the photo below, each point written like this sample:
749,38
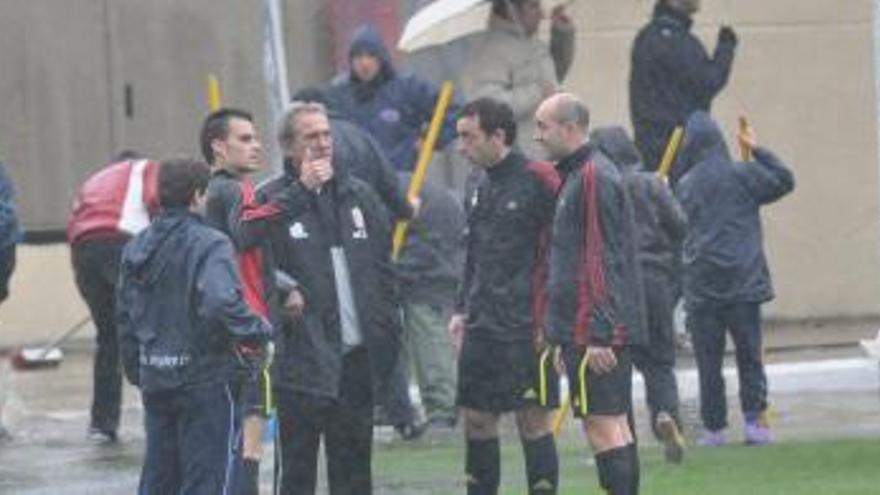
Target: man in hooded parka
395,108
726,278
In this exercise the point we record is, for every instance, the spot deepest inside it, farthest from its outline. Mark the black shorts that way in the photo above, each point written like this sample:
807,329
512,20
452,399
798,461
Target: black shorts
608,394
505,376
255,394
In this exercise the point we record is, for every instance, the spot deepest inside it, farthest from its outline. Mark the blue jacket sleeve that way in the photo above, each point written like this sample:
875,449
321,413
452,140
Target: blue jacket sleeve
220,296
129,349
767,179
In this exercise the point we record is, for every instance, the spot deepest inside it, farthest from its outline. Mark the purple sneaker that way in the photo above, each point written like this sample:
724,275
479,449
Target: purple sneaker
757,434
712,439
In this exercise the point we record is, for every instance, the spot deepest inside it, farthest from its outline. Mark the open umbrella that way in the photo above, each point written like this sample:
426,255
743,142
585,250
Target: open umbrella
445,20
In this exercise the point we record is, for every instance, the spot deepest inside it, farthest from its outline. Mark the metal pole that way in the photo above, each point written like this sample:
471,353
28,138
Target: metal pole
275,73
876,32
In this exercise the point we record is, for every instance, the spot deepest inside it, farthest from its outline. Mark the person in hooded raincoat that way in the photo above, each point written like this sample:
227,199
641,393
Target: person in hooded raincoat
395,108
726,277
660,230
510,62
185,330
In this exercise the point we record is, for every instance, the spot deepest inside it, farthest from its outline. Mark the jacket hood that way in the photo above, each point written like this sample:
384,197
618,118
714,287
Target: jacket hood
703,140
663,11
616,145
366,39
151,252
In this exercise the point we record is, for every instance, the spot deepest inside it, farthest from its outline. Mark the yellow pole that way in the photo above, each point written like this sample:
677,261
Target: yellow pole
560,415
745,151
213,93
669,154
425,155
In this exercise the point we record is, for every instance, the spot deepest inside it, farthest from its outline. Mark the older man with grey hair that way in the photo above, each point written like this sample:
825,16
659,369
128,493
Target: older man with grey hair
336,343
595,302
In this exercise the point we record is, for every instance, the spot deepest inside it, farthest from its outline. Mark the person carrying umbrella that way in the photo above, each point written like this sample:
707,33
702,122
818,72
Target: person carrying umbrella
510,63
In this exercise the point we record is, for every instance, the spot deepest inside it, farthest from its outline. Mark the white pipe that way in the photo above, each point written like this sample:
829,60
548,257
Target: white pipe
275,73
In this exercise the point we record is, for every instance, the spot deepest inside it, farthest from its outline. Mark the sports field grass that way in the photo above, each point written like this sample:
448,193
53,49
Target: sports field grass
849,467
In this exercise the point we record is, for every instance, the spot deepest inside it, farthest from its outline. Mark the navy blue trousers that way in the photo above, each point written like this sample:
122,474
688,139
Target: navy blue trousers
193,441
709,324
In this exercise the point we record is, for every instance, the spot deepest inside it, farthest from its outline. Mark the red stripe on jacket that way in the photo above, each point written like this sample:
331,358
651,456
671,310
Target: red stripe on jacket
250,261
592,288
550,180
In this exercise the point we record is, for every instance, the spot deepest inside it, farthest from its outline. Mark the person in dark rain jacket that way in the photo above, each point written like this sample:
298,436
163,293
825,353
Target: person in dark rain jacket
595,301
394,108
184,328
660,230
726,278
336,346
10,231
498,323
672,75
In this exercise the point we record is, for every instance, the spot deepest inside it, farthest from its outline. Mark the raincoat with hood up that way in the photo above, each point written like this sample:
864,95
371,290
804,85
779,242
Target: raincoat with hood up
180,305
394,108
724,249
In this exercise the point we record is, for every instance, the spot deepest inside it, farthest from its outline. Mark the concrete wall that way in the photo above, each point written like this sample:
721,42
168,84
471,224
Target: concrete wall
804,75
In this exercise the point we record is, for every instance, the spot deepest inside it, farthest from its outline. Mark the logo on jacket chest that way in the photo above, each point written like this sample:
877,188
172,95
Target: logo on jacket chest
298,231
360,226
390,115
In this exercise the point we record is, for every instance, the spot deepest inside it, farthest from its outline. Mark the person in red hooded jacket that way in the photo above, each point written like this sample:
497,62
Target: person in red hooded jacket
112,205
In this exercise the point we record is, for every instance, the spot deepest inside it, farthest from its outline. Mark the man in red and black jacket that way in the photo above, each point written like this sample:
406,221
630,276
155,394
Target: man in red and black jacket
231,146
501,301
111,206
595,300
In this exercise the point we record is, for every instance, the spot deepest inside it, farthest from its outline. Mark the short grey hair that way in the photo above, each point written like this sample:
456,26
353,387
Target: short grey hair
286,129
570,109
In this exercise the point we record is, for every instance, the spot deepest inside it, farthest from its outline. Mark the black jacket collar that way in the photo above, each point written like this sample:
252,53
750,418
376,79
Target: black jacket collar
669,16
506,166
575,160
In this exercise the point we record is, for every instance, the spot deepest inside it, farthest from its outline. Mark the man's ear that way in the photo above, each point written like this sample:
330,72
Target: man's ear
218,147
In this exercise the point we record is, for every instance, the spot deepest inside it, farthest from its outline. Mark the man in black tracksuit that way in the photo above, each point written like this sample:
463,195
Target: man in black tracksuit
358,154
660,229
231,146
498,321
672,75
595,300
337,346
182,321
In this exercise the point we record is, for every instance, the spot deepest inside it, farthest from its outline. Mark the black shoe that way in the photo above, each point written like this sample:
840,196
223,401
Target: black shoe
410,431
102,437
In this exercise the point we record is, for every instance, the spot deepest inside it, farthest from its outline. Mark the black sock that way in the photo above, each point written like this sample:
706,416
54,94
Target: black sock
636,469
542,465
483,466
615,469
249,480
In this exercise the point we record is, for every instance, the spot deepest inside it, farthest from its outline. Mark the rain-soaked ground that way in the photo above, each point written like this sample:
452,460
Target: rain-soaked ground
816,394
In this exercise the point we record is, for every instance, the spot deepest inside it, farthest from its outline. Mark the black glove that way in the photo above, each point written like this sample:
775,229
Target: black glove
727,35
